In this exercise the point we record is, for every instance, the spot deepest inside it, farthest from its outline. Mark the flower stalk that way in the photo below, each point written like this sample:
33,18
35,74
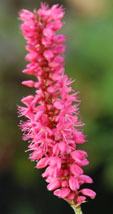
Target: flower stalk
77,210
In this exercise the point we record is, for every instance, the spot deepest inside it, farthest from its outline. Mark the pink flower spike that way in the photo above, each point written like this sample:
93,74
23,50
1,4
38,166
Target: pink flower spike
88,192
51,121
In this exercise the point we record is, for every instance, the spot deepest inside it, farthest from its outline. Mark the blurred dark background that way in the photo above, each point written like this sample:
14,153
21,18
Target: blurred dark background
89,60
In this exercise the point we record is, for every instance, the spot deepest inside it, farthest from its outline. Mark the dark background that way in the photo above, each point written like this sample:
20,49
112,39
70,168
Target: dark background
89,60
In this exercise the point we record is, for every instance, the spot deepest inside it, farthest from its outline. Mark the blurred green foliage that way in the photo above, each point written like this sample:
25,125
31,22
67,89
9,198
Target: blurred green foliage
89,61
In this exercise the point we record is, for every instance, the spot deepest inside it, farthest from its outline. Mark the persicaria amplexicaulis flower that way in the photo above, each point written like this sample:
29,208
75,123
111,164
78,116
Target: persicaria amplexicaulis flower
52,125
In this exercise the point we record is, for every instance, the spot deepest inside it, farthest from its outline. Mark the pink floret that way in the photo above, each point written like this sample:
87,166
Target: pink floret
88,192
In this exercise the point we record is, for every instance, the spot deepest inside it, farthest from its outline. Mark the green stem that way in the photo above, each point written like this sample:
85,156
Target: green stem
77,210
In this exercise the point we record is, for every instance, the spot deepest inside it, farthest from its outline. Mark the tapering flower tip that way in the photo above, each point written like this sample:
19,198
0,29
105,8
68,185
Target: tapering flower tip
53,13
25,15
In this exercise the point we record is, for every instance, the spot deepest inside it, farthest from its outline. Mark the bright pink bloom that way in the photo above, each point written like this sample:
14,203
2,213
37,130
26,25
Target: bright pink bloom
52,122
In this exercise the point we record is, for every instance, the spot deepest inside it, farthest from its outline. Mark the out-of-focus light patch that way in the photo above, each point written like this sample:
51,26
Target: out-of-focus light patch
90,7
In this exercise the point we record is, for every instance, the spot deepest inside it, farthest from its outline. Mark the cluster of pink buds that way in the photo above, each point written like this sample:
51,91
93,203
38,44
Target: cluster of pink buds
52,123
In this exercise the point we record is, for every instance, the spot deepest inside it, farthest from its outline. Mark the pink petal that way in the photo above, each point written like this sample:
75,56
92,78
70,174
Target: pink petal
55,76
76,170
59,49
73,183
71,195
81,199
83,162
79,137
26,15
55,162
58,104
88,192
28,71
46,41
62,146
58,60
86,179
53,186
59,39
78,155
44,12
29,83
36,155
31,56
48,32
42,163
38,115
48,55
62,193
57,13
64,183
47,172
51,89
27,100
56,149
57,25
